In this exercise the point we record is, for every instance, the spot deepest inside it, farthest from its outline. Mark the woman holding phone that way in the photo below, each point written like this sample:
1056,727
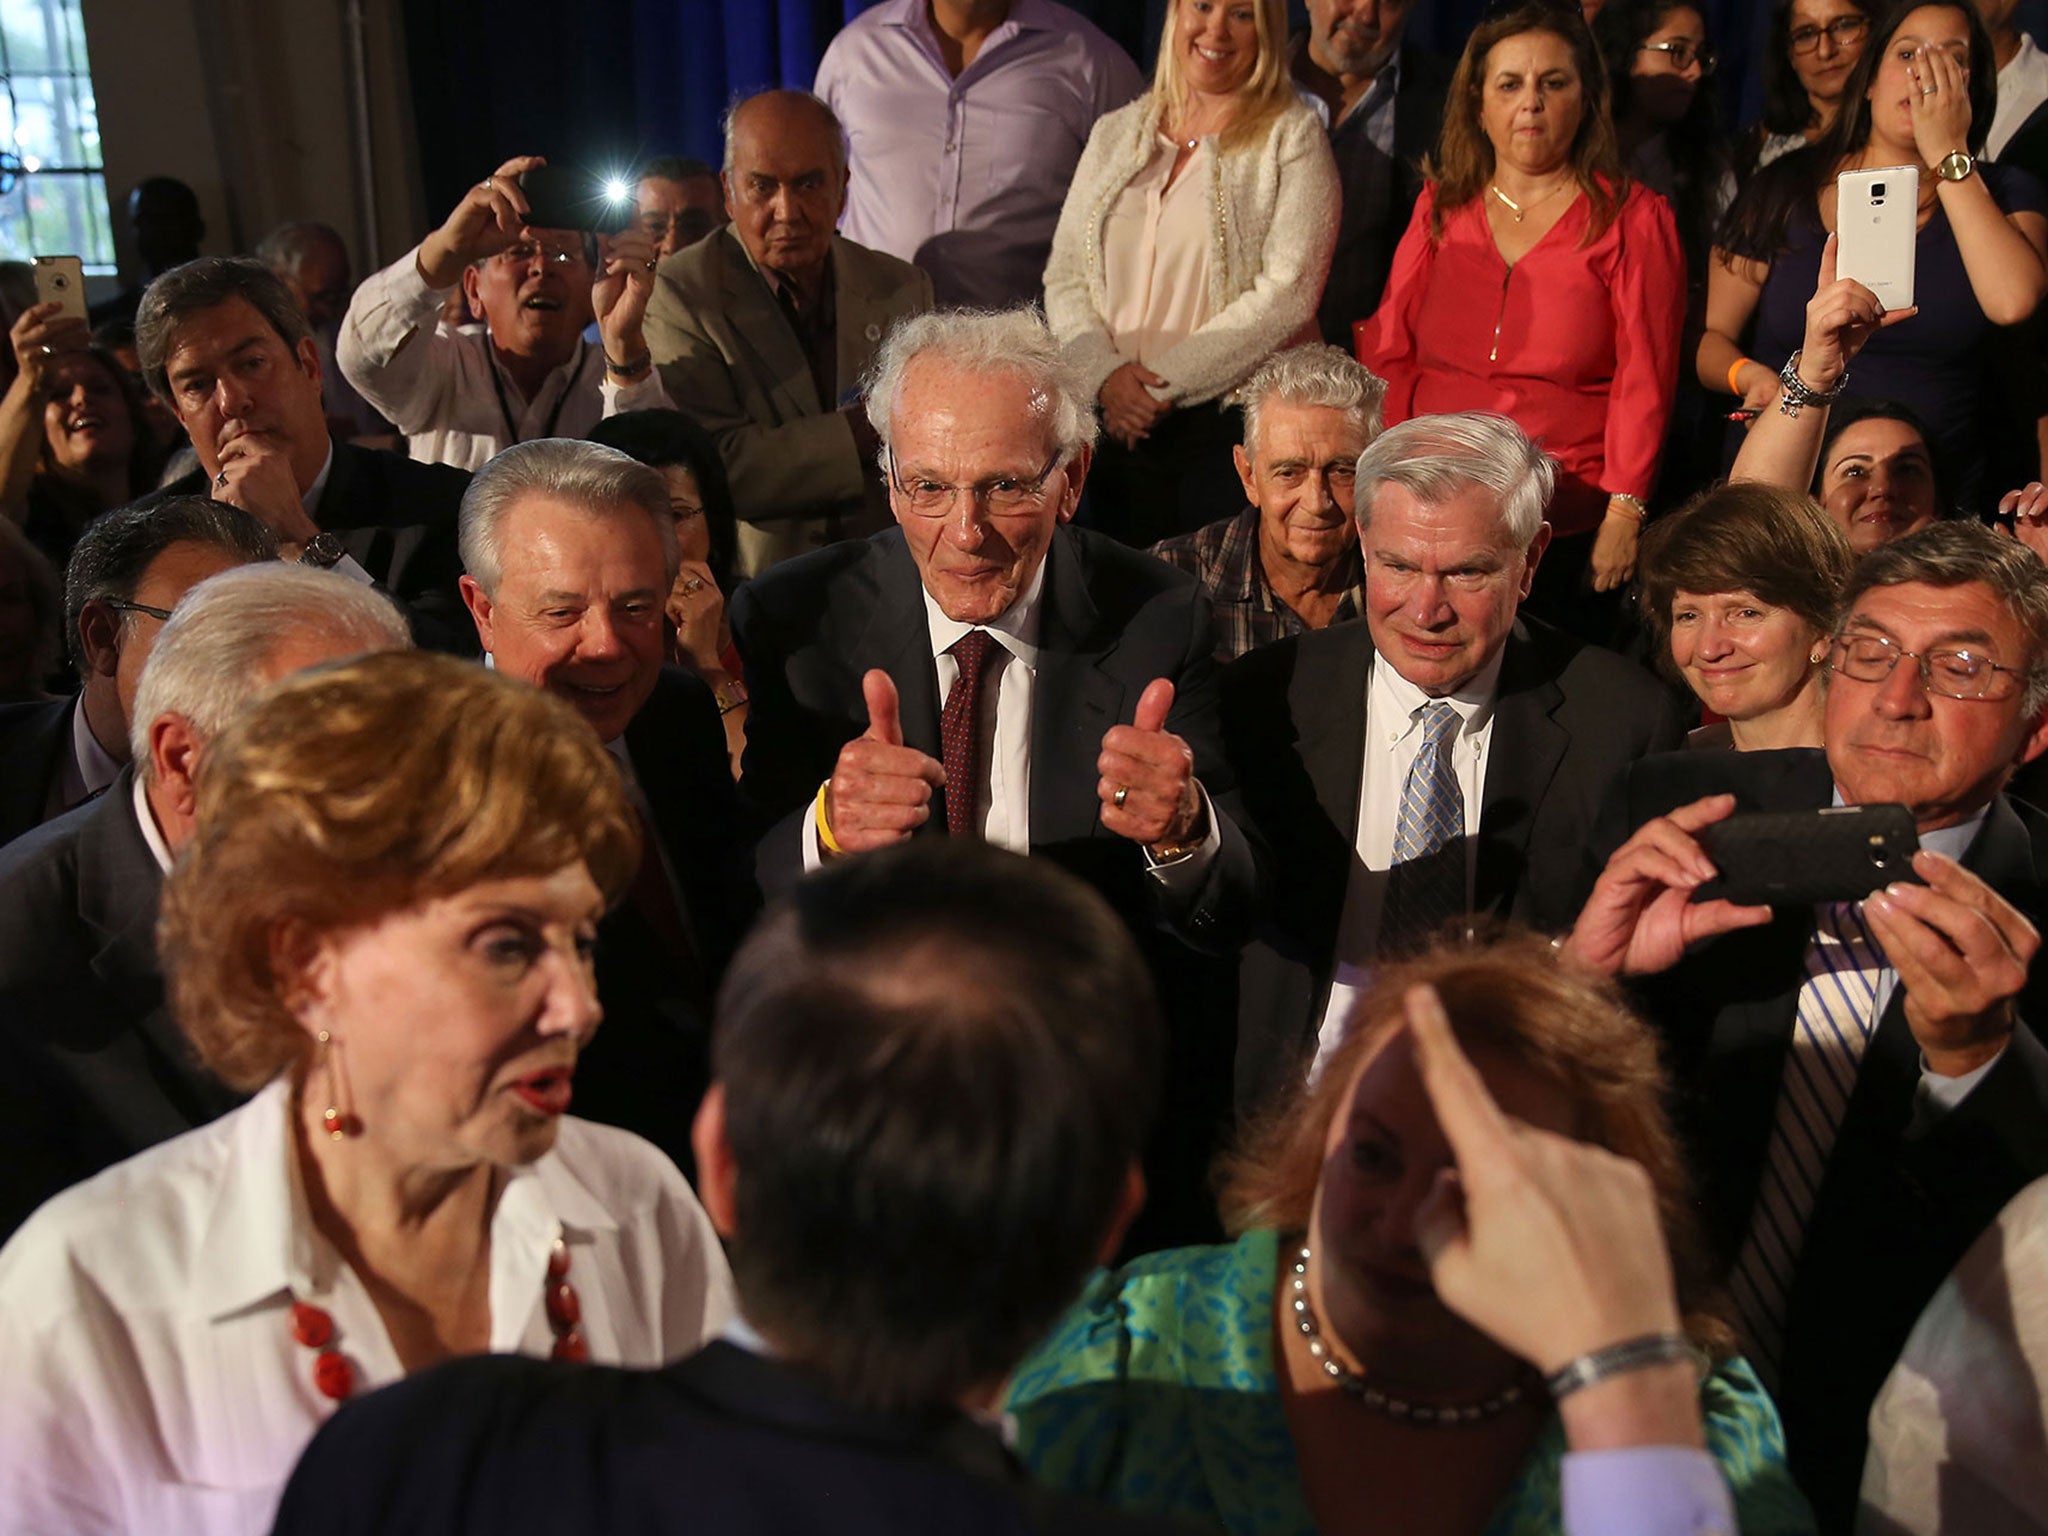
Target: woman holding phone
1922,95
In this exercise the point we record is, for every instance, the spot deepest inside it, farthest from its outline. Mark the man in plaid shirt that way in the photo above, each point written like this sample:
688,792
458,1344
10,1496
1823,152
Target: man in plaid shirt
1289,561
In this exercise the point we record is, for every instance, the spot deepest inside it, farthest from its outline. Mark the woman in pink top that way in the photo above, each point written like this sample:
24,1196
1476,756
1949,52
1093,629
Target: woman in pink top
1535,280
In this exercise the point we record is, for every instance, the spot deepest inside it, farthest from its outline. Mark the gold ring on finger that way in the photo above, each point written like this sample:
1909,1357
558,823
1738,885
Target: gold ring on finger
1122,794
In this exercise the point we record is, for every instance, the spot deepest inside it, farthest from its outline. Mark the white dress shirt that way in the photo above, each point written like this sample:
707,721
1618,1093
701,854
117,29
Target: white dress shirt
2022,86
1393,738
445,388
151,1382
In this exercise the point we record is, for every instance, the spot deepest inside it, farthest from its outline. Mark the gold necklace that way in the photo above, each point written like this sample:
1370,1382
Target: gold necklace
1520,210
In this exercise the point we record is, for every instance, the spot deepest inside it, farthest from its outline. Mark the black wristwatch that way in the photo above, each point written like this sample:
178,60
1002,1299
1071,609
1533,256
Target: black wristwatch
323,551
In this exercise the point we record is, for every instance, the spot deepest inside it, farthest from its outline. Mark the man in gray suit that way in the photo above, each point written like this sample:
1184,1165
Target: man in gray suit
762,331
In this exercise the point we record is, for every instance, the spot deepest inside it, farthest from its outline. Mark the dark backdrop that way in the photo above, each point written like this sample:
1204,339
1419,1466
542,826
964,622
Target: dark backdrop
602,83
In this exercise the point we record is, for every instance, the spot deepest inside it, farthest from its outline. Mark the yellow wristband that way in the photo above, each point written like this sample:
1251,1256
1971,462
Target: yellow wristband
1733,369
825,837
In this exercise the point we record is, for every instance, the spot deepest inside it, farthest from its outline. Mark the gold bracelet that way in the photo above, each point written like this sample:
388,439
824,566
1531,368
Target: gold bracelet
1733,369
825,838
1630,507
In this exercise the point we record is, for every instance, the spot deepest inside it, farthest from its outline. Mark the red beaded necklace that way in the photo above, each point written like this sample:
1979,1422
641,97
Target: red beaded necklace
335,1378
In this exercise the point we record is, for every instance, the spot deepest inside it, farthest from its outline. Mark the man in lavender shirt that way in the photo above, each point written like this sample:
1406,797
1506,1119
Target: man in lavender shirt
964,121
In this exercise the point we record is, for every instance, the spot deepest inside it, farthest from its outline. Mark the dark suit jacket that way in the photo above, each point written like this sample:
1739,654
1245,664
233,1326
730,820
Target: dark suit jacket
649,1063
723,1442
1567,720
730,362
1900,1201
34,739
397,518
1112,620
96,1069
1367,236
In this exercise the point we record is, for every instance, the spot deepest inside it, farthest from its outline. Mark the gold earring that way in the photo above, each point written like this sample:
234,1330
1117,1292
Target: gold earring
339,1118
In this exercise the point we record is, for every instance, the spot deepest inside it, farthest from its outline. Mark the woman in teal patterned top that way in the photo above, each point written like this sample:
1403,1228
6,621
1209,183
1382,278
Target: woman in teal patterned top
1185,1383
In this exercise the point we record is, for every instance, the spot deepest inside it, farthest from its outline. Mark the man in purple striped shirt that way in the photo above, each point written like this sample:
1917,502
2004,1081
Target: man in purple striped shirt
964,121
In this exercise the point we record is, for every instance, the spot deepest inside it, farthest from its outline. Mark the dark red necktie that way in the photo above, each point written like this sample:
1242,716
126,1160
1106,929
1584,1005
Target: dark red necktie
959,728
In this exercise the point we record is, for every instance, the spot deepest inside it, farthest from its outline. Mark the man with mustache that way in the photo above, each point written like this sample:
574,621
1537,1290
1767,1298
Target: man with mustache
462,396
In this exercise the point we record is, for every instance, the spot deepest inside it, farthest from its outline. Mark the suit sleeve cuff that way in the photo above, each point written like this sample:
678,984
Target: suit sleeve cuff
1182,877
1649,1490
1939,1095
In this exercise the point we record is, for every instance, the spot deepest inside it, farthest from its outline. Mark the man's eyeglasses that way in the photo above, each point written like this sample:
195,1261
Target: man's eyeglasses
1954,674
999,495
521,252
161,615
1683,52
1842,31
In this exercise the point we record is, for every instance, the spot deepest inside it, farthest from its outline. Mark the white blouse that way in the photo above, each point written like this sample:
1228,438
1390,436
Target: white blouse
1155,252
149,1380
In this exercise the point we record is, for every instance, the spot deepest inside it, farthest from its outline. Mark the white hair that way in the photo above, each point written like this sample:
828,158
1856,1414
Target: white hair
1434,458
215,650
1314,375
602,481
1016,342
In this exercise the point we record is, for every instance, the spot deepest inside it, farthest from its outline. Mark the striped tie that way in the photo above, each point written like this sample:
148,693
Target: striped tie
1837,1011
1426,886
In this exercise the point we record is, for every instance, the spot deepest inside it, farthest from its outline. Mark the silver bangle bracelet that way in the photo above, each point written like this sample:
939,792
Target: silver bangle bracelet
1619,1360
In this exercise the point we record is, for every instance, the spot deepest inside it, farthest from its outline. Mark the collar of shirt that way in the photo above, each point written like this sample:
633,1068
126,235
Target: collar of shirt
312,497
915,16
1385,85
1016,628
1392,697
742,1334
146,819
812,313
96,769
260,1239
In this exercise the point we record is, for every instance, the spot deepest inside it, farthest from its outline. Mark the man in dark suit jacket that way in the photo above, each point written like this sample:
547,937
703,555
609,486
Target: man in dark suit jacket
1383,99
875,1177
1320,726
223,343
570,551
97,1069
1946,1116
763,329
127,571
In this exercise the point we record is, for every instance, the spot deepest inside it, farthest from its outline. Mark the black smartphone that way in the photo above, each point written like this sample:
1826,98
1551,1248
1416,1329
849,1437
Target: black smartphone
560,198
1796,858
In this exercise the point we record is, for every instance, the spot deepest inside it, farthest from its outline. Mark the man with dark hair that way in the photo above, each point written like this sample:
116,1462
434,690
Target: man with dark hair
313,261
126,573
1861,1082
762,332
464,395
677,201
225,345
164,220
934,1072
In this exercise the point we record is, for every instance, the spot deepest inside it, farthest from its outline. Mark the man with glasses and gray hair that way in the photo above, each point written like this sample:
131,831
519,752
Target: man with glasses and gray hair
1861,1082
1444,757
1289,561
96,1068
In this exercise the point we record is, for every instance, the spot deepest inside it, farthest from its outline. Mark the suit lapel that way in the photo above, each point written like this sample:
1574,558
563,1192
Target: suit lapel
1527,746
857,329
1332,725
897,639
759,328
1076,701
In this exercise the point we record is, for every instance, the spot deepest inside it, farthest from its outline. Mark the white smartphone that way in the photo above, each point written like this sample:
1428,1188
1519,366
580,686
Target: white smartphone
61,280
1877,214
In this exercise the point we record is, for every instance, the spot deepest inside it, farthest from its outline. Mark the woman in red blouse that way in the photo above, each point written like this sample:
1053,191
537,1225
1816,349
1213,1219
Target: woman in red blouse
1535,280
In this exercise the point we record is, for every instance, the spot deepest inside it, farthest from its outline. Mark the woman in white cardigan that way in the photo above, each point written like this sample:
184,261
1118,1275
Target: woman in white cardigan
1193,244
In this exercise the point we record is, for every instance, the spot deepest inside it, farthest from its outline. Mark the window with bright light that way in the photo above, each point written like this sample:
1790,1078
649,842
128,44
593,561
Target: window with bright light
53,185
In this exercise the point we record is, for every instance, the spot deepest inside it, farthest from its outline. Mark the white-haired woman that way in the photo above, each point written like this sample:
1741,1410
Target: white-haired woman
1194,243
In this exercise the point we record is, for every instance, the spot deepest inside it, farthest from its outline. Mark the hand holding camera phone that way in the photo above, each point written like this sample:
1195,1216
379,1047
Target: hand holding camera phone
1797,858
1877,217
61,280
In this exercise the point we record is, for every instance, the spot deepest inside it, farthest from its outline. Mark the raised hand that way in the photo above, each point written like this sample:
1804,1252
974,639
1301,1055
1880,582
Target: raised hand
881,790
1840,317
1641,915
255,474
625,282
491,216
1147,788
1941,105
38,336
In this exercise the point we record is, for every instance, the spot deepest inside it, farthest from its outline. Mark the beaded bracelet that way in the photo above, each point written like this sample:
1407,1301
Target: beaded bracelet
1618,1360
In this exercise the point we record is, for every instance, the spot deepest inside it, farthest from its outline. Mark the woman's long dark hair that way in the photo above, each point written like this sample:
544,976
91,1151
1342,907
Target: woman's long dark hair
1698,150
1756,225
662,438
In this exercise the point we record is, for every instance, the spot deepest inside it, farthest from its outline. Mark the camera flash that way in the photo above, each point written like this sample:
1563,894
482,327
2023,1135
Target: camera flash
617,191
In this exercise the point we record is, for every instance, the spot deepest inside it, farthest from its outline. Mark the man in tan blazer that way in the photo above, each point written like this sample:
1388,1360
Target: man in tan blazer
762,330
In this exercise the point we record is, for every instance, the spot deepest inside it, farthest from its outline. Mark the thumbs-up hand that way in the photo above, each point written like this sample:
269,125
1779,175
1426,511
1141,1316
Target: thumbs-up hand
1148,789
880,790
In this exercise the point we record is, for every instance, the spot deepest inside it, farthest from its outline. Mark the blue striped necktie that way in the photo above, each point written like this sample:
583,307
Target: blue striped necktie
1426,886
1837,1012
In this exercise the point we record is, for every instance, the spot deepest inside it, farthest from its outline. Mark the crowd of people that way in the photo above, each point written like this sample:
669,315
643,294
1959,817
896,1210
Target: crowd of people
1125,702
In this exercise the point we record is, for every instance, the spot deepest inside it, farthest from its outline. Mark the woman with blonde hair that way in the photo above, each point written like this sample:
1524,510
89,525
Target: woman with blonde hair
1309,1377
1194,243
382,927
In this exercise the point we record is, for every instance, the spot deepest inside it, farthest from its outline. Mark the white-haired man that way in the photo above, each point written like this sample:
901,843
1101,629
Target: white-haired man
1443,757
763,330
1289,561
96,1067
